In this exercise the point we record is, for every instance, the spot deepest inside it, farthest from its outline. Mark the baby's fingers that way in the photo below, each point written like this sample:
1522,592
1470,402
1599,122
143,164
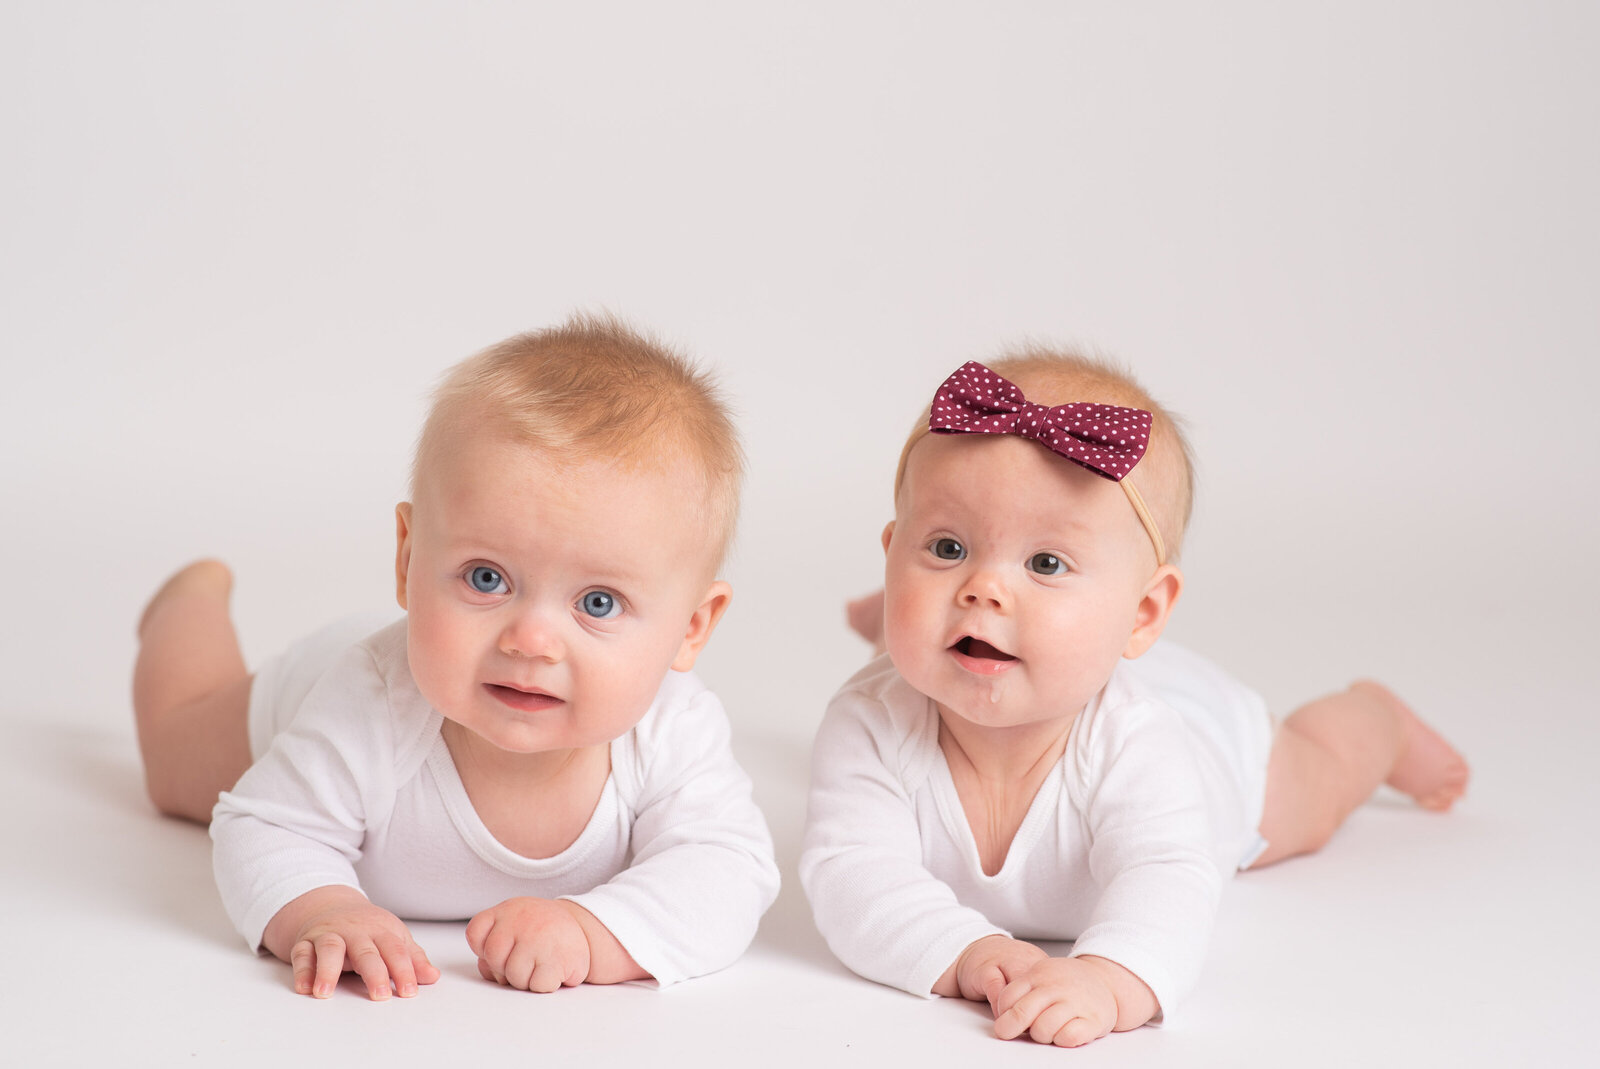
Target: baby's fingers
549,975
327,954
498,944
397,959
1059,1018
518,966
478,929
992,982
303,959
426,971
1007,996
1021,1008
1080,1030
368,962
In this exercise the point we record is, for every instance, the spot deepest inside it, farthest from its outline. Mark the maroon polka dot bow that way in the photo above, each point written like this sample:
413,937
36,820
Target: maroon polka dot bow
1106,439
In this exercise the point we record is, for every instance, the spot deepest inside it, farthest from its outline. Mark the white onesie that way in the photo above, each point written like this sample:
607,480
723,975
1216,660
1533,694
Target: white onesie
359,789
1125,848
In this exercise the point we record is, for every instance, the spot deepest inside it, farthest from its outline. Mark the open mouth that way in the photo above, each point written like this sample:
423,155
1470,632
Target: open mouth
978,650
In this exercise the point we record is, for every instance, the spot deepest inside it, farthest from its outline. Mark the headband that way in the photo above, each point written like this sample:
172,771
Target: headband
1106,439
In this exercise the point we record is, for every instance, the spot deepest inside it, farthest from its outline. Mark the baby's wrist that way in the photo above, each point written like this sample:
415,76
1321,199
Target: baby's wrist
609,961
583,919
1136,1003
962,983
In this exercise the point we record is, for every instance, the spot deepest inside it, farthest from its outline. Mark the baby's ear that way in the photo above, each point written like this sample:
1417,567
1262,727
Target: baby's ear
702,623
1155,609
402,549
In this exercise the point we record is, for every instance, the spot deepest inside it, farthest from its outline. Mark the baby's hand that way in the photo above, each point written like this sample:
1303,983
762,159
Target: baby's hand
326,931
1072,1001
532,944
991,963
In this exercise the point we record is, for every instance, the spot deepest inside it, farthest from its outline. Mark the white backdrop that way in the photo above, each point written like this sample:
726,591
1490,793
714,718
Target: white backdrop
1355,244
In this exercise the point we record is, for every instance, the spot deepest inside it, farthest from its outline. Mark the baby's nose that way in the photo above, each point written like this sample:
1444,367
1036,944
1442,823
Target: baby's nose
529,634
983,587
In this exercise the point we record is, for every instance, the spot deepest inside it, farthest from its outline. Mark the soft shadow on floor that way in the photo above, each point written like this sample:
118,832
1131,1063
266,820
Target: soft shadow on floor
96,836
779,765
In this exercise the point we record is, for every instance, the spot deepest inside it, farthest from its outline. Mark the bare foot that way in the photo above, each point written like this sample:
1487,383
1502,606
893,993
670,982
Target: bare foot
207,578
865,615
1429,769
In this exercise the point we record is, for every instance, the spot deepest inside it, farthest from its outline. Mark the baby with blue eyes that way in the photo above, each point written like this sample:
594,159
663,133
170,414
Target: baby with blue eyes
526,749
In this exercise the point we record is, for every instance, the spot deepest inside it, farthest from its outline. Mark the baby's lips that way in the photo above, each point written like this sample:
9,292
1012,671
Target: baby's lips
526,699
977,647
536,692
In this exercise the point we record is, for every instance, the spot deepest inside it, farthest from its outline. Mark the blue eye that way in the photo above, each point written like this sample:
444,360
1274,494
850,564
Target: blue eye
599,604
948,549
487,580
1047,564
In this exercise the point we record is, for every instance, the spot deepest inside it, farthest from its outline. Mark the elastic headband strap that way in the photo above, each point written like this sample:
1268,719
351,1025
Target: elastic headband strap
1137,501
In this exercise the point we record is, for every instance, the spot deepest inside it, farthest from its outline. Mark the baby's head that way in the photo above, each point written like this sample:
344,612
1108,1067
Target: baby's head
1017,578
573,495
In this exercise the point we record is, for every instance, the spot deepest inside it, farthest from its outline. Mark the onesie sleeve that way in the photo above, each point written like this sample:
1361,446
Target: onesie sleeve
702,871
297,819
1144,803
881,911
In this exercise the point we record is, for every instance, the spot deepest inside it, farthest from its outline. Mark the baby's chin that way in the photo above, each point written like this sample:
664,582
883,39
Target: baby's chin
1008,701
516,742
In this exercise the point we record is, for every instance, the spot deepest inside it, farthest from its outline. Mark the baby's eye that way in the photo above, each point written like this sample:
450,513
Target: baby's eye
1047,564
487,580
599,604
948,549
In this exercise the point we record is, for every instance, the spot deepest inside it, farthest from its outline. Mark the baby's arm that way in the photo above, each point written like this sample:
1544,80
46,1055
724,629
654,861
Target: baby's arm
879,908
1154,851
702,872
287,836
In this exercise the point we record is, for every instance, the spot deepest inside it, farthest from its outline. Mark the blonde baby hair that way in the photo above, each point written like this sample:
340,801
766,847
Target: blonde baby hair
595,388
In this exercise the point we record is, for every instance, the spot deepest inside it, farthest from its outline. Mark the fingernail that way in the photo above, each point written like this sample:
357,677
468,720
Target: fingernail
408,990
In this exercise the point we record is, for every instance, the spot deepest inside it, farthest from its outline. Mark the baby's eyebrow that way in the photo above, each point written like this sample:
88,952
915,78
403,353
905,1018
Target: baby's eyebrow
612,573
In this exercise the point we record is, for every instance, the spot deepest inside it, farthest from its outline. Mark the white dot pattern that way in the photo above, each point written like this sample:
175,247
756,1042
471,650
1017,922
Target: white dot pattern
1106,439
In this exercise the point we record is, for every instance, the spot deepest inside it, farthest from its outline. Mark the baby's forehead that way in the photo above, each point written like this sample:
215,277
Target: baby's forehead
492,489
704,489
1007,473
1013,494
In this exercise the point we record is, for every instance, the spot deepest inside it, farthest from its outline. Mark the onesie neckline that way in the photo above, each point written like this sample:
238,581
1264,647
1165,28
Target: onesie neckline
954,815
473,831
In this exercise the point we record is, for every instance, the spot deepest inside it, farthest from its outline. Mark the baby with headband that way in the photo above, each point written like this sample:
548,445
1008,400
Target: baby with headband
527,747
1027,762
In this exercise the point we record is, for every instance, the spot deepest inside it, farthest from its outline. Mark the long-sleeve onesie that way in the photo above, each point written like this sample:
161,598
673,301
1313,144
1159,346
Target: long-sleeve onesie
1125,847
359,789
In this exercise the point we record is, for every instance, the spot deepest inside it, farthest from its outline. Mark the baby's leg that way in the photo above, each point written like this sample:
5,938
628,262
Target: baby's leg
1331,755
191,693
